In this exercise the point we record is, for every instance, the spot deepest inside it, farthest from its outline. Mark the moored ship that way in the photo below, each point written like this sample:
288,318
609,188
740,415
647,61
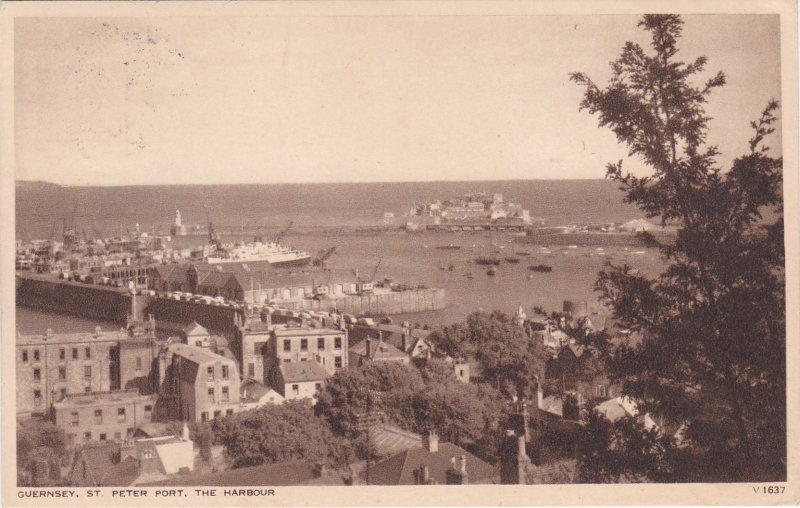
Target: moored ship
273,253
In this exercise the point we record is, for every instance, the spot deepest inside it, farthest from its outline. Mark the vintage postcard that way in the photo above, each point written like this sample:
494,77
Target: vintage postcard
399,253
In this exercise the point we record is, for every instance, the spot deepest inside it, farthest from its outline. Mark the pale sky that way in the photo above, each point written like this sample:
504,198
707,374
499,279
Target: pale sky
113,101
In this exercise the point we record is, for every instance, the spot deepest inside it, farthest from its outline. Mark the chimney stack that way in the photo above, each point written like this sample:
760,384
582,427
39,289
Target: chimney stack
431,441
369,347
457,474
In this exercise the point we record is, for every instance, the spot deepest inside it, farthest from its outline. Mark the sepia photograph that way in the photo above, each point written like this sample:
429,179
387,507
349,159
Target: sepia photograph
267,246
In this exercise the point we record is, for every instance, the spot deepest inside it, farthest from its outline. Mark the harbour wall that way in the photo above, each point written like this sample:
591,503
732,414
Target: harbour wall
115,304
376,304
77,299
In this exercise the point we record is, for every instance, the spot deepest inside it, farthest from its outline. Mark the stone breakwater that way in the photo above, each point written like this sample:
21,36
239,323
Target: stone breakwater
115,304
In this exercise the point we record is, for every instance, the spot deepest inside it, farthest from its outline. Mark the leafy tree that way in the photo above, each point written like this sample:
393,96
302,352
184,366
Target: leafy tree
40,447
289,431
379,386
714,348
511,361
418,401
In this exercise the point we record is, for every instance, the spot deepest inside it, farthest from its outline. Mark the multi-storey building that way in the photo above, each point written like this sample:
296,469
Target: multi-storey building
250,346
52,366
201,384
304,342
102,416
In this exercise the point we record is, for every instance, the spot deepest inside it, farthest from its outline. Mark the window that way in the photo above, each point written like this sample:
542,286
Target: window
75,419
37,397
217,414
224,394
211,394
62,373
337,362
35,355
321,344
210,374
318,386
138,363
87,435
148,409
88,353
303,359
98,416
303,344
295,389
204,416
63,393
228,412
102,437
198,343
37,374
287,360
337,343
24,355
62,354
287,345
74,353
120,415
87,371
225,372
251,369
87,389
117,435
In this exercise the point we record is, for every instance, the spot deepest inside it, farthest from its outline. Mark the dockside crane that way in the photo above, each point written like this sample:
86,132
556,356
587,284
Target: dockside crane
213,239
364,286
322,259
282,233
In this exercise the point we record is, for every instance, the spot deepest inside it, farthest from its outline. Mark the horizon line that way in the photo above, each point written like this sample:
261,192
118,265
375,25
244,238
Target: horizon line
46,182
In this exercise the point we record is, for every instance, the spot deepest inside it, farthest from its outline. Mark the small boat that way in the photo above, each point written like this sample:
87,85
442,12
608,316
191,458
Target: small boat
541,268
487,260
450,268
512,259
442,267
448,247
523,253
468,275
491,271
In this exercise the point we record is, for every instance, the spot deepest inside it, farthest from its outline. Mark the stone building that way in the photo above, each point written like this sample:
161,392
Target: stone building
371,350
52,366
300,380
198,384
307,342
102,416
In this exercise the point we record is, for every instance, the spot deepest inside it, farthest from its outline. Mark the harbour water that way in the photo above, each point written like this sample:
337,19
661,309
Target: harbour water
405,258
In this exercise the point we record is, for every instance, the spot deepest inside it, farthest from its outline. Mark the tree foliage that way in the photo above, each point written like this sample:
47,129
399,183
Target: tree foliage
417,400
511,361
279,433
40,447
713,322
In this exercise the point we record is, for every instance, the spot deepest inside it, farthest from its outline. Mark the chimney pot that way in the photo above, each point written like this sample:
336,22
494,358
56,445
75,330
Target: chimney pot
432,442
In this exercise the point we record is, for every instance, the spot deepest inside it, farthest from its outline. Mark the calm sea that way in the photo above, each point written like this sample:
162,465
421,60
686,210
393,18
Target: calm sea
406,258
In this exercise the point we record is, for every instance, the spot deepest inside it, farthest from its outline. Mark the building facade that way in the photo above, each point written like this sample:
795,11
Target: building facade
102,416
308,342
202,384
53,366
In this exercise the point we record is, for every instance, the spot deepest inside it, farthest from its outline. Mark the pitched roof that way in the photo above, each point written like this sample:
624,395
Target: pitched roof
379,350
399,469
298,372
389,440
101,470
194,329
279,474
